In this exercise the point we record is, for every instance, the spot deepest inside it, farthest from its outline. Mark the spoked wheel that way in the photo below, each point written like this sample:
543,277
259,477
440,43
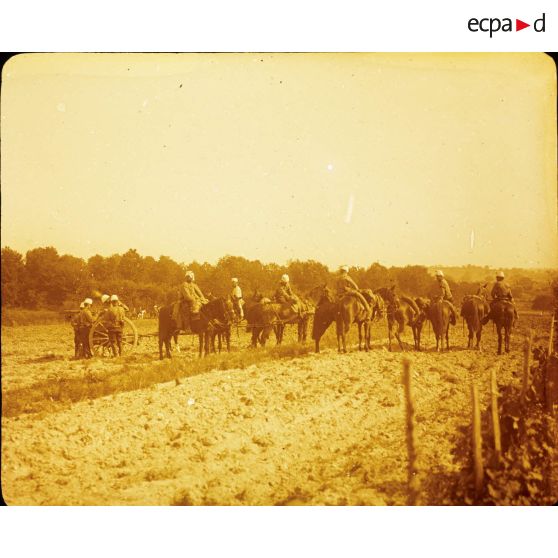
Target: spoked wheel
99,339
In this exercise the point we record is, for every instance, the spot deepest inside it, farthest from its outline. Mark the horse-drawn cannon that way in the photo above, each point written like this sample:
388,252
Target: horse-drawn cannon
99,339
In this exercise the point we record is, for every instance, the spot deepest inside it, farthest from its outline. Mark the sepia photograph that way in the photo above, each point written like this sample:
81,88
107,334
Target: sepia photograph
279,279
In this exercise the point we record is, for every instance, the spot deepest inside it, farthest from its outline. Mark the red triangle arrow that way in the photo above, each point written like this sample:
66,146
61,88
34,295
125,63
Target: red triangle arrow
519,25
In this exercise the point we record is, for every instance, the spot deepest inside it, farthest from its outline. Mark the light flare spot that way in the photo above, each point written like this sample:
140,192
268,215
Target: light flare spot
61,107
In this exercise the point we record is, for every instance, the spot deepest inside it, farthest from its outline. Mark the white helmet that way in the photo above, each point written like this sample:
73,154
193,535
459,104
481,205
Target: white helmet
284,278
114,298
190,274
87,301
234,280
344,268
439,273
500,275
82,305
104,298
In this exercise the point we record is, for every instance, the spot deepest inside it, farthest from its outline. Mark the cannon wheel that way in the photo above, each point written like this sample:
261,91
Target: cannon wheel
99,341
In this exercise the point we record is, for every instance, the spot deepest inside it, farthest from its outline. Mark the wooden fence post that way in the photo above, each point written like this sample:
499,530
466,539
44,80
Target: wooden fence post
526,365
412,469
495,415
551,338
477,441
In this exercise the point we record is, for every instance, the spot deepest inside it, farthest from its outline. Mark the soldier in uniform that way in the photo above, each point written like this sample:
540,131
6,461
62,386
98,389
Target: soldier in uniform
191,300
236,297
78,346
500,291
347,286
285,295
85,322
445,294
114,320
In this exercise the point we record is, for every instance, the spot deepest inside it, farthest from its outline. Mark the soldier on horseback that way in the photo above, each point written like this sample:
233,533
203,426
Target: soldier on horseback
285,295
190,302
500,291
445,294
347,286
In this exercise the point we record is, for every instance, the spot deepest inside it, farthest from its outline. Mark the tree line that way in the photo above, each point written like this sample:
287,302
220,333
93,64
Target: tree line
44,279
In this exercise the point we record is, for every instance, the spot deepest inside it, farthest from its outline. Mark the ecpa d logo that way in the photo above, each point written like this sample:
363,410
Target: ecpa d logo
494,24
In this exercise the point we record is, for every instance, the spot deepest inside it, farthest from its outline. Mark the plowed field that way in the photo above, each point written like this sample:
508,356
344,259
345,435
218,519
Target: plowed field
310,429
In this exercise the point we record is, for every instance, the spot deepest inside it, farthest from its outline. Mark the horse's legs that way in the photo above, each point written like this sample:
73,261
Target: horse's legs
160,348
317,345
507,338
499,330
471,334
360,325
447,339
390,325
368,339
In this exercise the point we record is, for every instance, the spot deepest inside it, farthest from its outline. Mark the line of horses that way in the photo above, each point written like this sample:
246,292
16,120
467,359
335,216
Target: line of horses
264,317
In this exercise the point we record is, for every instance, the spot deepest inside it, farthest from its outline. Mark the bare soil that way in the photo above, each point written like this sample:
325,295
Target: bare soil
317,429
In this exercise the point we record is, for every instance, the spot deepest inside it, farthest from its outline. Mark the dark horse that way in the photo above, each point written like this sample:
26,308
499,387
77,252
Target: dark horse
502,313
214,315
403,311
261,319
438,311
286,315
345,312
264,316
473,310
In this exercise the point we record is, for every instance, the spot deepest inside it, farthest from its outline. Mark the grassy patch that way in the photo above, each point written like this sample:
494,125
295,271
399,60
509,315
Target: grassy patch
132,375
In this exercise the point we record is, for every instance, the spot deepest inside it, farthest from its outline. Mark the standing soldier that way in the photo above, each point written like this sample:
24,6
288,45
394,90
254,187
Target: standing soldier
78,346
236,296
85,322
114,321
445,294
347,286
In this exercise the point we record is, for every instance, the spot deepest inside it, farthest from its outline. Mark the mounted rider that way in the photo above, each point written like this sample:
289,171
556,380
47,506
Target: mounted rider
500,291
444,292
237,300
191,299
285,295
347,286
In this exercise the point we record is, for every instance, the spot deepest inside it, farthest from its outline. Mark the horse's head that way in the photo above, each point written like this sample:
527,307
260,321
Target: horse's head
325,296
389,296
220,309
226,309
482,291
257,296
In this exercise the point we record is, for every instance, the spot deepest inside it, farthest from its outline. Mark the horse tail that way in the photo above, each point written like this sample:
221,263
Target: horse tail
475,318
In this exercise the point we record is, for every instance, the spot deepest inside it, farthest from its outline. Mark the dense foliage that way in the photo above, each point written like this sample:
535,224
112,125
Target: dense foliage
46,279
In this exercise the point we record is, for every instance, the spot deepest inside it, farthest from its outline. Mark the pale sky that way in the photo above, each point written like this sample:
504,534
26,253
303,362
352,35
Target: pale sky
342,158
